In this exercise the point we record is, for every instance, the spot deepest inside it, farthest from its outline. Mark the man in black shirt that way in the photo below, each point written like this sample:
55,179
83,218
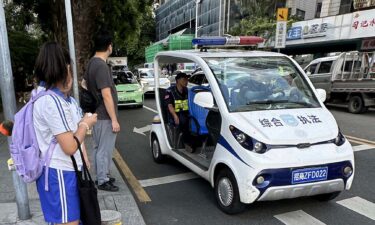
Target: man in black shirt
100,83
176,100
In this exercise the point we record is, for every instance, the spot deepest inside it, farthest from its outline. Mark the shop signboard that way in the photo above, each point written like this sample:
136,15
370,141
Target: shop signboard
363,24
368,44
315,30
280,37
294,33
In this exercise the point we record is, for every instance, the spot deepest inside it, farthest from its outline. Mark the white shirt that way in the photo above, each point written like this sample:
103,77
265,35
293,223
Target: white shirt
54,115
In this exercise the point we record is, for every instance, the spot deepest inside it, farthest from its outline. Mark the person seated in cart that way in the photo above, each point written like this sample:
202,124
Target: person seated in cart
176,101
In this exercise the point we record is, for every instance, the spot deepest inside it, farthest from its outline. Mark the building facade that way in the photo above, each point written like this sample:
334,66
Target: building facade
330,23
216,17
342,27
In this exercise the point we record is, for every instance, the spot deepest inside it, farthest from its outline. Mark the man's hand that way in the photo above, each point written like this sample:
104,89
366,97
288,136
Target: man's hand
115,127
88,164
176,119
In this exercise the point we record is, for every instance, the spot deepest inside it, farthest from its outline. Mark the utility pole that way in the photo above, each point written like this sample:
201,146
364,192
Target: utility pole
69,23
197,2
228,16
223,16
220,18
9,100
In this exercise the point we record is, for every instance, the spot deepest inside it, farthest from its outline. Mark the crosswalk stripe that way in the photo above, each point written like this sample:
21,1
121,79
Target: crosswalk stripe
359,205
358,148
167,179
297,218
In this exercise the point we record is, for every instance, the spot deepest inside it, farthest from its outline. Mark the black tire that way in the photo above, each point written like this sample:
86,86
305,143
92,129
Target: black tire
327,197
356,104
139,106
155,150
227,194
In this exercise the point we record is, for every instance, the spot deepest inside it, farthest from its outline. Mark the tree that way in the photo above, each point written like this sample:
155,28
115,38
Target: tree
133,27
24,36
260,19
123,17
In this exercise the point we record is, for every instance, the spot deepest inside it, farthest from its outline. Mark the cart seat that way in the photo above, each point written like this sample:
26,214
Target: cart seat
198,114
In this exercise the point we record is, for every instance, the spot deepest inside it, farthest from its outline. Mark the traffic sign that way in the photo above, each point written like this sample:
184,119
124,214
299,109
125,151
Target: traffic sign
282,14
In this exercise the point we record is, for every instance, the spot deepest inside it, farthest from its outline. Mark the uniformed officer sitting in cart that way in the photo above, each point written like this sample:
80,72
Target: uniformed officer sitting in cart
176,101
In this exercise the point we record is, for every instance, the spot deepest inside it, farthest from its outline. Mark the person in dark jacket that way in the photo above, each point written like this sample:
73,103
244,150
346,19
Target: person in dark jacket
176,99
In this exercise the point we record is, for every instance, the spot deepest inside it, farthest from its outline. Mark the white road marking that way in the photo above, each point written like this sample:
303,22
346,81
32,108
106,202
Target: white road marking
359,205
297,218
358,148
168,179
142,130
148,108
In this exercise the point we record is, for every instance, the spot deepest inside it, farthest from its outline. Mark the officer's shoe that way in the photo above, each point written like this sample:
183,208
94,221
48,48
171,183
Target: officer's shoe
189,148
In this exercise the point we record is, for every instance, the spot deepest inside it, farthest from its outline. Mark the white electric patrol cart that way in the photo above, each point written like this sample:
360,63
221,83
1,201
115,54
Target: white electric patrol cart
261,130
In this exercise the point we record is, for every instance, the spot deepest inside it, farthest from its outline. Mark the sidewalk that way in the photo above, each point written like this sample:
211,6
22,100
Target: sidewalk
121,201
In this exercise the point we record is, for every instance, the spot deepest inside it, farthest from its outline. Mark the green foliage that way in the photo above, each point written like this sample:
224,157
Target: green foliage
260,19
130,21
133,27
24,37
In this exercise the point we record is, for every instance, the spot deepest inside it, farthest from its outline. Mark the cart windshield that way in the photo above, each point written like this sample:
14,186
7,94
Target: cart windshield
261,83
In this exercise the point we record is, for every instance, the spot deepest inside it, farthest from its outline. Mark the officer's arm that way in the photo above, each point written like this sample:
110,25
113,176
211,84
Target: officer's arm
171,110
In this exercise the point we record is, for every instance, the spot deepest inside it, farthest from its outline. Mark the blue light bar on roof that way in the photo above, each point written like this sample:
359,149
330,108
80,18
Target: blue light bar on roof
209,41
233,40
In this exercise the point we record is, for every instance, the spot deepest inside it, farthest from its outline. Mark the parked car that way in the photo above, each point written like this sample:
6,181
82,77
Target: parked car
129,90
147,80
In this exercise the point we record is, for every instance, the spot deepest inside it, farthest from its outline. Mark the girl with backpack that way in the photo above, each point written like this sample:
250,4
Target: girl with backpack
58,117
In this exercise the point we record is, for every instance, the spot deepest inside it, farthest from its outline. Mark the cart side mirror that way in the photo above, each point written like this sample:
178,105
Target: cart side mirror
204,99
322,94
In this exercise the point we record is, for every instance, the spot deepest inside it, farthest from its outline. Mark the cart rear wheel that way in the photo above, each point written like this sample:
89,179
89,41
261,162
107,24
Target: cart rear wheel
155,150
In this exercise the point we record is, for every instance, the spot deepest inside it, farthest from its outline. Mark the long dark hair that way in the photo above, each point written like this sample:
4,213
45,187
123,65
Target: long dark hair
51,64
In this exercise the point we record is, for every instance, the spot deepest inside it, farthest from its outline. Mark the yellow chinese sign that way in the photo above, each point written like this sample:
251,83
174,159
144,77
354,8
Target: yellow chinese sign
282,14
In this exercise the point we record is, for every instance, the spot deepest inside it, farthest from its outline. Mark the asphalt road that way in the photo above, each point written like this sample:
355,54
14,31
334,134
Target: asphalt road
192,201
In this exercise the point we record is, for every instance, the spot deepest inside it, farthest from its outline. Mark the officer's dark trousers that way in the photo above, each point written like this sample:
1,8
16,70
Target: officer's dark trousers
183,127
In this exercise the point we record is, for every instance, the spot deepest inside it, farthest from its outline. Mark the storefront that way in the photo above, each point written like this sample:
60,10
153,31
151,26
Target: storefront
348,32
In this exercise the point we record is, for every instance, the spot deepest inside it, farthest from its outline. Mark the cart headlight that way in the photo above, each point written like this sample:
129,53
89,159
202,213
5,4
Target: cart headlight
259,147
140,89
340,139
241,138
247,142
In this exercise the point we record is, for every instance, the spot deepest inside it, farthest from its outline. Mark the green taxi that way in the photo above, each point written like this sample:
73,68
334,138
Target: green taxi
129,91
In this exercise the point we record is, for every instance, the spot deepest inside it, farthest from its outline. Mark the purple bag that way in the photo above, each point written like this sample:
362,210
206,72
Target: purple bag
24,148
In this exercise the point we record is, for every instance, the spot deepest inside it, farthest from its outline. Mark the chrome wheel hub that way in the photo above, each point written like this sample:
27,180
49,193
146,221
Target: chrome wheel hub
155,149
225,191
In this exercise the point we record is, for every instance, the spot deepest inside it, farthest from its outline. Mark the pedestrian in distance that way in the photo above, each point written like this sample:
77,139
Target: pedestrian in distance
100,83
58,117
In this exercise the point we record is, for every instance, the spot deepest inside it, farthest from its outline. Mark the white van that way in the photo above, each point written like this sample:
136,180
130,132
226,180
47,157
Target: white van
262,130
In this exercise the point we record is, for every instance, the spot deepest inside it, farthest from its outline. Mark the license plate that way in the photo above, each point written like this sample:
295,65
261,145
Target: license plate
309,175
123,99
